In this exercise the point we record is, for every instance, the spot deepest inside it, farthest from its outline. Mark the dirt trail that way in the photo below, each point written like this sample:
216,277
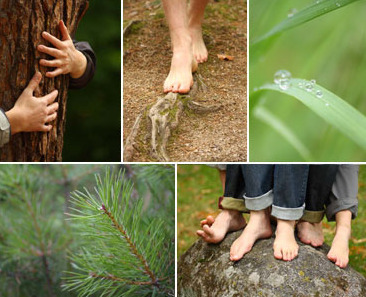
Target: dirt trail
215,137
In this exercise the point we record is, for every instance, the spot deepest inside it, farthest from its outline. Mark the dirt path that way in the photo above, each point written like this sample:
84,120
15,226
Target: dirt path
216,137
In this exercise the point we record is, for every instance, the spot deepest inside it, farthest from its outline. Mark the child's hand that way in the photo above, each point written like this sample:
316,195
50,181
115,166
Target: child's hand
67,58
31,113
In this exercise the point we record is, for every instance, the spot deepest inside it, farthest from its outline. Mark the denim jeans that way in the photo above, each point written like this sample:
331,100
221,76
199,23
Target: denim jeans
330,186
282,186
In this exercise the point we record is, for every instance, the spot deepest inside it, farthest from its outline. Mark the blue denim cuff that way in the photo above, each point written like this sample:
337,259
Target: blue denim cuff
288,214
259,202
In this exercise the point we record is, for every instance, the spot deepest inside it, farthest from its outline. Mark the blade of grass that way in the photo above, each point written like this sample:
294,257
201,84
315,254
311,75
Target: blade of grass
313,11
330,107
269,118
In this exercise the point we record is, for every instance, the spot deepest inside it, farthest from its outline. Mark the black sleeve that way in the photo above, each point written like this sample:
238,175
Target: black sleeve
85,48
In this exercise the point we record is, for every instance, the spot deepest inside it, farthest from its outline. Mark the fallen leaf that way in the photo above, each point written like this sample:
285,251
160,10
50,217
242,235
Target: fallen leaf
362,240
225,57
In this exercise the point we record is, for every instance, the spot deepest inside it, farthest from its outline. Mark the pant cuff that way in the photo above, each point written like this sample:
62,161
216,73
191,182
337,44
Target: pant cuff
233,204
259,202
288,214
313,216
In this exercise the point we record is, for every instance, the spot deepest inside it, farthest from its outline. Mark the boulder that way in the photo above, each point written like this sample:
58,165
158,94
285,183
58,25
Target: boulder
206,270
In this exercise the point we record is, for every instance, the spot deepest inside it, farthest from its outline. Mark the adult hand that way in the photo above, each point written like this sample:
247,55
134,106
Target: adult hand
31,113
67,58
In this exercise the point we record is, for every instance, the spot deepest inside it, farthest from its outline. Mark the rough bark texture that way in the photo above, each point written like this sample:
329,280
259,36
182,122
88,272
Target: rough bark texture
21,25
205,270
162,118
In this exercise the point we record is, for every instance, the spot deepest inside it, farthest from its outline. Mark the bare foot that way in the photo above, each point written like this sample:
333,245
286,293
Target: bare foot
258,227
180,79
285,246
214,230
339,250
310,233
198,45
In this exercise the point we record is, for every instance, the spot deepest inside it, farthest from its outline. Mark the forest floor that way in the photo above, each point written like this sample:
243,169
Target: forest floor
217,136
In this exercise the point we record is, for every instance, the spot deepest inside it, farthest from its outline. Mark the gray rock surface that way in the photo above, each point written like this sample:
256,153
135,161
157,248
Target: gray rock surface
206,270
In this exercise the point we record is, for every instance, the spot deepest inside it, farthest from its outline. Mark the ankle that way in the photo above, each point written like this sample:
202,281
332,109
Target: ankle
343,230
195,25
181,40
261,215
284,225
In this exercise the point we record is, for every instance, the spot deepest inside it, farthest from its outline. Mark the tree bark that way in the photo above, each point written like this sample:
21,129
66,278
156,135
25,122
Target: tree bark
21,25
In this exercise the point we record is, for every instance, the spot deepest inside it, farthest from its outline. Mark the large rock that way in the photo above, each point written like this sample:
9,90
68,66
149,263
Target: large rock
206,270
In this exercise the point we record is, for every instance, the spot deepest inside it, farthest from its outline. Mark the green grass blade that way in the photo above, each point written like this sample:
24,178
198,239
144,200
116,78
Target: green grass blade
307,14
330,107
269,118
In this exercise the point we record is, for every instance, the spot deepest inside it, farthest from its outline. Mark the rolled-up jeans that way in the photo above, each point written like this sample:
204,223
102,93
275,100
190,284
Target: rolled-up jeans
335,188
281,186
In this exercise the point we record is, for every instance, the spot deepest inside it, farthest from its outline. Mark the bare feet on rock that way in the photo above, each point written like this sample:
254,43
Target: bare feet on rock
214,230
310,233
339,251
258,227
285,246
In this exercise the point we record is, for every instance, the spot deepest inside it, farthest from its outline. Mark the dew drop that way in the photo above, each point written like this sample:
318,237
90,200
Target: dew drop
284,84
300,84
291,12
309,87
319,94
313,81
338,5
327,104
281,75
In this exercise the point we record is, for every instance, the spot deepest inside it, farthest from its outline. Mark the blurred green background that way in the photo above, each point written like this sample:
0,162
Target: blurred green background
35,228
93,124
199,187
330,49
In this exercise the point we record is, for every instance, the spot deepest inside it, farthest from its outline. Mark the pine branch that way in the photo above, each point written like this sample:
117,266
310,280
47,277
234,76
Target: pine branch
133,248
114,227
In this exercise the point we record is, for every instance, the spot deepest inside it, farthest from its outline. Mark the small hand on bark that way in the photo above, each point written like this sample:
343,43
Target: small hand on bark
67,59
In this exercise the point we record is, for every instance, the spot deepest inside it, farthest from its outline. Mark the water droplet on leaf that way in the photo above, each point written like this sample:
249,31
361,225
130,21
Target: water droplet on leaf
281,75
309,87
284,84
291,12
319,94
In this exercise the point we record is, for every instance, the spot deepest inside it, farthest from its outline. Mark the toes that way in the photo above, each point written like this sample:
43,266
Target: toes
207,230
338,262
332,257
234,258
183,89
210,220
344,263
167,87
305,240
316,244
277,254
175,87
204,222
203,235
200,233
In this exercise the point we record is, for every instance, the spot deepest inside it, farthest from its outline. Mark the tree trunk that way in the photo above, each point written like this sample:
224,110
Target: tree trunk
21,25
